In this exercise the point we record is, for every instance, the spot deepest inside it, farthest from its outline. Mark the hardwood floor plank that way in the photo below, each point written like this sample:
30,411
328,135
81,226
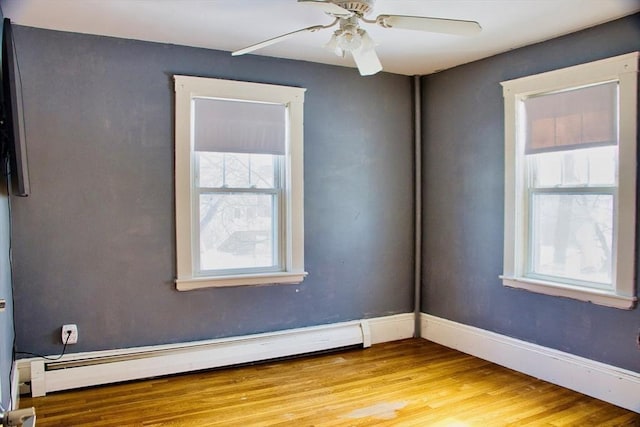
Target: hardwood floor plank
405,383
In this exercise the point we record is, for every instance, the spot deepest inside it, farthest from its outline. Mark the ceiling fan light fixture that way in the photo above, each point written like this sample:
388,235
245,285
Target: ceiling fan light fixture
332,45
349,38
367,42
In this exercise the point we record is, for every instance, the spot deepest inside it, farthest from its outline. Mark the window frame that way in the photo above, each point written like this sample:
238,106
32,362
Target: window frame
291,205
624,70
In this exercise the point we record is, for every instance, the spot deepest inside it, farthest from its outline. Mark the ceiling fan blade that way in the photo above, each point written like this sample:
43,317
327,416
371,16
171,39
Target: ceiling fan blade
366,58
275,40
328,7
434,25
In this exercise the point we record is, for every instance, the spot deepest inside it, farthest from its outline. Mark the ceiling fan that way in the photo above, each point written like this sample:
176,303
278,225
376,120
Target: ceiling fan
351,38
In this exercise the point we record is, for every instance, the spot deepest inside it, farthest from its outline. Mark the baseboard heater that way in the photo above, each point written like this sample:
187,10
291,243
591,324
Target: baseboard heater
105,367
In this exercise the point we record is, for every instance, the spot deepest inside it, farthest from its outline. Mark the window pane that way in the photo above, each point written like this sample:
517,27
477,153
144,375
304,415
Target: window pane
262,170
210,169
575,168
603,165
237,231
571,236
547,169
236,170
586,167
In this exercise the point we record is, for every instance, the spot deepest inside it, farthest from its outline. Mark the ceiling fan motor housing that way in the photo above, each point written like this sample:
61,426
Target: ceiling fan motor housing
359,7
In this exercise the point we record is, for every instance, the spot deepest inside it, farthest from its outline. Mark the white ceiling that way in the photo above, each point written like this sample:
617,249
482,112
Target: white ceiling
232,24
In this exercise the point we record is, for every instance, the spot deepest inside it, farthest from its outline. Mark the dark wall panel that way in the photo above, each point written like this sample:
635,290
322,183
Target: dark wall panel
94,243
464,196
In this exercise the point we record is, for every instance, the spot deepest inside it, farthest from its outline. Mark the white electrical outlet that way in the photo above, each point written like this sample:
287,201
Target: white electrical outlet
73,337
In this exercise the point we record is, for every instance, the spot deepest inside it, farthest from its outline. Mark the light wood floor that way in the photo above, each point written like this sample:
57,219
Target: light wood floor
404,383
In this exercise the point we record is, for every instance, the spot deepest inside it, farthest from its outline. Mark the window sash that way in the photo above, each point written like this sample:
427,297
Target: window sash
277,215
276,237
279,175
529,252
583,170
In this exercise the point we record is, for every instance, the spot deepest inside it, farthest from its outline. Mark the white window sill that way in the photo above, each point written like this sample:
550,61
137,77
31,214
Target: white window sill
596,296
285,278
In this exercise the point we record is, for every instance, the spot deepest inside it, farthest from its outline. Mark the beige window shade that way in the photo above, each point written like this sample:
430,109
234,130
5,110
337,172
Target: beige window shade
573,119
239,126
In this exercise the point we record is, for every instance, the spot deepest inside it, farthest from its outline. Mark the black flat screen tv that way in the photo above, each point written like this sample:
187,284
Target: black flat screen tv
13,129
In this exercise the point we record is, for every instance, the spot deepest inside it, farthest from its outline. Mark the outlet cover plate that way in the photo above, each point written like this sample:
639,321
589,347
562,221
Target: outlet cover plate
73,338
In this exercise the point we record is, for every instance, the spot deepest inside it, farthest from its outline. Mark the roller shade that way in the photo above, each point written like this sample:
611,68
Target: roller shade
573,119
239,126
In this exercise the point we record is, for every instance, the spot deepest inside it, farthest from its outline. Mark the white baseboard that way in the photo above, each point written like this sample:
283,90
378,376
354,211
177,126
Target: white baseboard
391,328
15,387
611,384
104,367
605,382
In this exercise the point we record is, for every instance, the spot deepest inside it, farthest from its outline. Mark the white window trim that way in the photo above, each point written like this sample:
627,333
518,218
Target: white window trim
624,69
187,88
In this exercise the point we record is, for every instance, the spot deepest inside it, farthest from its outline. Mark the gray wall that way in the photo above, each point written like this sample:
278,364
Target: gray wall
463,204
94,243
6,317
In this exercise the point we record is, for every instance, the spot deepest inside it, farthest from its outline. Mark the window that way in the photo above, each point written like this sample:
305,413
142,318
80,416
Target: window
238,183
570,182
